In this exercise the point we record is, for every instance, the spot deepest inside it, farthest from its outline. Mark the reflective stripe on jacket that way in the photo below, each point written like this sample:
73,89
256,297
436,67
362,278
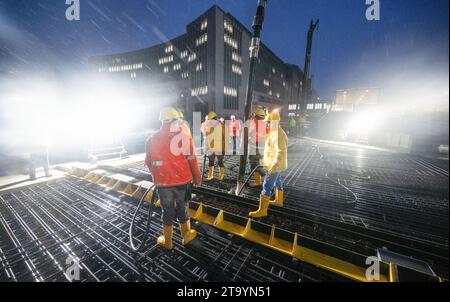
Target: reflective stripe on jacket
170,157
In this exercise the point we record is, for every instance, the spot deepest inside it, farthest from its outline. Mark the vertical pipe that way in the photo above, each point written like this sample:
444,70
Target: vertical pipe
306,83
254,52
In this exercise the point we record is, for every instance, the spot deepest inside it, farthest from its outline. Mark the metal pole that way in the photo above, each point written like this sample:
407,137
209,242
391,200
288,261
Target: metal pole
254,51
306,83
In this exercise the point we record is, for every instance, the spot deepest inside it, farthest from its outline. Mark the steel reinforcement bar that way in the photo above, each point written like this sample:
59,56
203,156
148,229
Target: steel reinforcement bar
344,262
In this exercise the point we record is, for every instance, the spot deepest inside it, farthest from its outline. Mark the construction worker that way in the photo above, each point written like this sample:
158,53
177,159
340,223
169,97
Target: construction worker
235,130
215,144
293,126
203,131
171,159
257,133
275,162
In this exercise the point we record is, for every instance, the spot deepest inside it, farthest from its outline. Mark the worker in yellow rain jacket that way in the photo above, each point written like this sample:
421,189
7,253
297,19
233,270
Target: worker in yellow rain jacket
275,162
216,138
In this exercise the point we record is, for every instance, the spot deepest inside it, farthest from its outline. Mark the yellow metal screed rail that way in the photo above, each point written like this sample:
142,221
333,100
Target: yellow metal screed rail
272,237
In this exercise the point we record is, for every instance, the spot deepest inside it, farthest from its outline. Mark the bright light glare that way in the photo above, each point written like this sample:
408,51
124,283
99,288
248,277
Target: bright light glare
39,113
364,122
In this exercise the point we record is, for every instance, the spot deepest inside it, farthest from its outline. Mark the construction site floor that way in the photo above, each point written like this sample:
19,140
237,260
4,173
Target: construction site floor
44,223
386,190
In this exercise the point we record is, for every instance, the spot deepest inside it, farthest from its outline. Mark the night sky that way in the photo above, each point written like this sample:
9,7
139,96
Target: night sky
407,48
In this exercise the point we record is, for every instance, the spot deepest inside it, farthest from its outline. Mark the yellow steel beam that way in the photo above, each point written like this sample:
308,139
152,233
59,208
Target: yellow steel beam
292,248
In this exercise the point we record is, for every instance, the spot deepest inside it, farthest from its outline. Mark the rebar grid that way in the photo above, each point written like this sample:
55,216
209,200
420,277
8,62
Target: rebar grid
42,225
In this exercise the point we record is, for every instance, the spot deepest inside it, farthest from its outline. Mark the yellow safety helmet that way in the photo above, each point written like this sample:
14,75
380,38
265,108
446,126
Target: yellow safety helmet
168,114
260,112
274,116
212,115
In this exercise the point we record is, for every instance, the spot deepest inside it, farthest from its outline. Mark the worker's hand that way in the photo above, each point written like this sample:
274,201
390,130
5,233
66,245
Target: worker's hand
197,184
197,181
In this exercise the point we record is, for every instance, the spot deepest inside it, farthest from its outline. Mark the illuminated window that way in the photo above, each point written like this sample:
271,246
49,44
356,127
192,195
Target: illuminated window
133,75
273,70
284,84
228,26
177,66
270,92
199,91
183,54
166,69
293,107
192,57
199,67
122,68
165,60
318,106
236,69
204,25
185,75
236,57
266,83
278,95
202,40
230,91
230,41
169,49
310,106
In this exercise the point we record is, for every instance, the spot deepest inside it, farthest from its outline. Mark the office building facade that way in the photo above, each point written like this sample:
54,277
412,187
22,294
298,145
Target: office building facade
207,69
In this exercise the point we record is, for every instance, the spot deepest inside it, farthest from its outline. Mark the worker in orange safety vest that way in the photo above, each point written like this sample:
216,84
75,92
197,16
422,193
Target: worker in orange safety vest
171,159
235,132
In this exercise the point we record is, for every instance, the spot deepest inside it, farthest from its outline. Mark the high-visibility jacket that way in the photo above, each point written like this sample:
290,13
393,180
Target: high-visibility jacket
170,157
257,131
293,123
216,137
275,152
235,128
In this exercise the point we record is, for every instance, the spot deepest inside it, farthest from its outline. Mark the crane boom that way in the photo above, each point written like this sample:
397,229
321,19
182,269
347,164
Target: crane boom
306,70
